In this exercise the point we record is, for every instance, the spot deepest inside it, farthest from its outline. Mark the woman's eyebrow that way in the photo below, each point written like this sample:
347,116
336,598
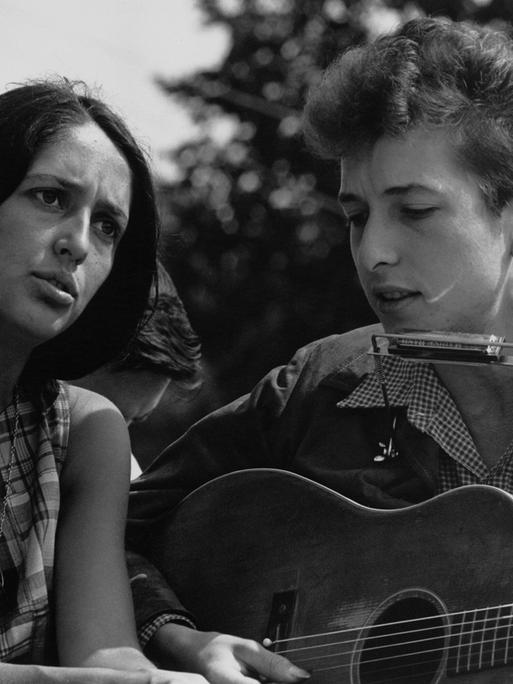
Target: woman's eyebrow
114,209
51,176
106,204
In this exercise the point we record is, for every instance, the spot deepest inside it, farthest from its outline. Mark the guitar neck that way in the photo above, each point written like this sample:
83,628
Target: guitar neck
481,639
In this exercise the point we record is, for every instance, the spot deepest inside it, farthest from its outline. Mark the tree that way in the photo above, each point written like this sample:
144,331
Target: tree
265,265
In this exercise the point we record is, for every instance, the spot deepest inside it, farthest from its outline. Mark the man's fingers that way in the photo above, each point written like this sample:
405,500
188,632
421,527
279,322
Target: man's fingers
282,670
221,673
270,665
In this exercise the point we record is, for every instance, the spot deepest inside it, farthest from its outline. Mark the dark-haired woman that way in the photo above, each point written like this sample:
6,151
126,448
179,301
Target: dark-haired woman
77,253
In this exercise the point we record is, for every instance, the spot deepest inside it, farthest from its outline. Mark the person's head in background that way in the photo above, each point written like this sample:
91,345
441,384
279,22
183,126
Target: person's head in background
35,120
166,351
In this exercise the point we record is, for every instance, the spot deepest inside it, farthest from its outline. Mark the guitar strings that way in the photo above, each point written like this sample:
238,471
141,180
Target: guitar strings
418,673
367,638
417,664
445,649
398,623
370,637
385,671
395,644
466,653
390,667
459,647
411,654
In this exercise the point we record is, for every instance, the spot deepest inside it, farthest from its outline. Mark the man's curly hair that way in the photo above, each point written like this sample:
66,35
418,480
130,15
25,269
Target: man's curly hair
431,73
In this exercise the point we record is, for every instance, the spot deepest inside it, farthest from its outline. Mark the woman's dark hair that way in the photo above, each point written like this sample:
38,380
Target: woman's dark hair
432,73
34,115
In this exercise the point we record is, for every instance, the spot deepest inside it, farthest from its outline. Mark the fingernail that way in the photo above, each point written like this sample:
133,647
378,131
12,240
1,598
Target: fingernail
299,673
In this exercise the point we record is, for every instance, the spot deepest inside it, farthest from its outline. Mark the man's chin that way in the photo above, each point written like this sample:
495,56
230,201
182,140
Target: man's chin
396,328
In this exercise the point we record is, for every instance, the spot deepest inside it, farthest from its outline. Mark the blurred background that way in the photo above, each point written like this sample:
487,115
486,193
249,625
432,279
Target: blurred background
252,234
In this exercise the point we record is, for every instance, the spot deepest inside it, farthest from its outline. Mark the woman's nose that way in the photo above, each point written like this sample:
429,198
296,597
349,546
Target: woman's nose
72,241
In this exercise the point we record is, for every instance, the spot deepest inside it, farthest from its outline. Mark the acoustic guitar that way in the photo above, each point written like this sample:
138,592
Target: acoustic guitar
355,595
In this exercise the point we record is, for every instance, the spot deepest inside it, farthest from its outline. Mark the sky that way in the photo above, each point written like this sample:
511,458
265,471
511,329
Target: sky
119,47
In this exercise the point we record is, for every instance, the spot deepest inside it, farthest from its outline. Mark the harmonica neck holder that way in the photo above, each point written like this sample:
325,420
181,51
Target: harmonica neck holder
431,347
444,347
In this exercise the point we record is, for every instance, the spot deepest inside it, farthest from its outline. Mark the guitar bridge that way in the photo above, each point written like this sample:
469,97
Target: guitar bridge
283,608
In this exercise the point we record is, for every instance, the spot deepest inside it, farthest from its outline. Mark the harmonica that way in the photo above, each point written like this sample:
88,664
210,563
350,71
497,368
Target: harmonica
440,346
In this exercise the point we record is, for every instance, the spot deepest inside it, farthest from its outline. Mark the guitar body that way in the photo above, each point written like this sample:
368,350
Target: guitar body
356,595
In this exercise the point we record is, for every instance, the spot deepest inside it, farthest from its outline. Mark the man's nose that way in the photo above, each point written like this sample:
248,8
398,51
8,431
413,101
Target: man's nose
376,244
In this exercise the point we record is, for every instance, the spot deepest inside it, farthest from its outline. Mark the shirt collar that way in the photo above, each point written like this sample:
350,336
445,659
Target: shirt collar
402,378
430,407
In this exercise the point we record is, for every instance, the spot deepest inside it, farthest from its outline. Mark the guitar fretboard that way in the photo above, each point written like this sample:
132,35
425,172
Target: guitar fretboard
481,639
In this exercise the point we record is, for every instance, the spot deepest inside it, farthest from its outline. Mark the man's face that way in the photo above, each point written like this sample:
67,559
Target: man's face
428,252
136,393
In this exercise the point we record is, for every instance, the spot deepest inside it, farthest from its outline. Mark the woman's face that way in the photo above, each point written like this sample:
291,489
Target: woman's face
59,231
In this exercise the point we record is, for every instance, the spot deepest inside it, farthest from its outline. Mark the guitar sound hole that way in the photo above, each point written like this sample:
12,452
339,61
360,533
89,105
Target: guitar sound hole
410,651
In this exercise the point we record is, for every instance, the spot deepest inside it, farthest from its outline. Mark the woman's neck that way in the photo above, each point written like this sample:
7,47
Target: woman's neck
6,393
12,362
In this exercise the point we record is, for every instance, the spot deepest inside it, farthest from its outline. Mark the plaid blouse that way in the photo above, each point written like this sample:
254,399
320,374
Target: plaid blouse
28,535
431,409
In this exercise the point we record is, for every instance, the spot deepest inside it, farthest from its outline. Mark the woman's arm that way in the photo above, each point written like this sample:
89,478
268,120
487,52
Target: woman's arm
95,623
39,674
94,612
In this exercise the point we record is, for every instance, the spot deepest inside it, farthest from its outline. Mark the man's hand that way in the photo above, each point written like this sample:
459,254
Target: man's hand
220,658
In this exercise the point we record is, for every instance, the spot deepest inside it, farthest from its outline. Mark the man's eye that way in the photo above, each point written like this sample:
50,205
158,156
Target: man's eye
140,419
357,220
49,197
417,212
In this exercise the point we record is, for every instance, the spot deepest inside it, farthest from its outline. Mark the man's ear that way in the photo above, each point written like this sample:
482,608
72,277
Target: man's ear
507,225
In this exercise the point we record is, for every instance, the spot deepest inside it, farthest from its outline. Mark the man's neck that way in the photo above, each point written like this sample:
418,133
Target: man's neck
484,397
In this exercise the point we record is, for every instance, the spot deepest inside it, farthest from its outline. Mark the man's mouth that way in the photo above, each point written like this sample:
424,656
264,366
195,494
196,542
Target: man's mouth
395,295
393,299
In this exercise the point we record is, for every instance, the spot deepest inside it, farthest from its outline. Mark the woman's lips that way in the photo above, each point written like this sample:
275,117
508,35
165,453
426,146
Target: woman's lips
53,292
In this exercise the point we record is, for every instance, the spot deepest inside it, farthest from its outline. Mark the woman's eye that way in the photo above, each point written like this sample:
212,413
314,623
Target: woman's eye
49,197
108,228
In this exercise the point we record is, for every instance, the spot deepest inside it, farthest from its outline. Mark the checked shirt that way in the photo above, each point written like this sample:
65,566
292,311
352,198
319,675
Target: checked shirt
431,409
28,536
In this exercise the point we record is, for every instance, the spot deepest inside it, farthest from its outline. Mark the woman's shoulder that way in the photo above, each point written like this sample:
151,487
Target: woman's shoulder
58,400
98,433
84,403
95,420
